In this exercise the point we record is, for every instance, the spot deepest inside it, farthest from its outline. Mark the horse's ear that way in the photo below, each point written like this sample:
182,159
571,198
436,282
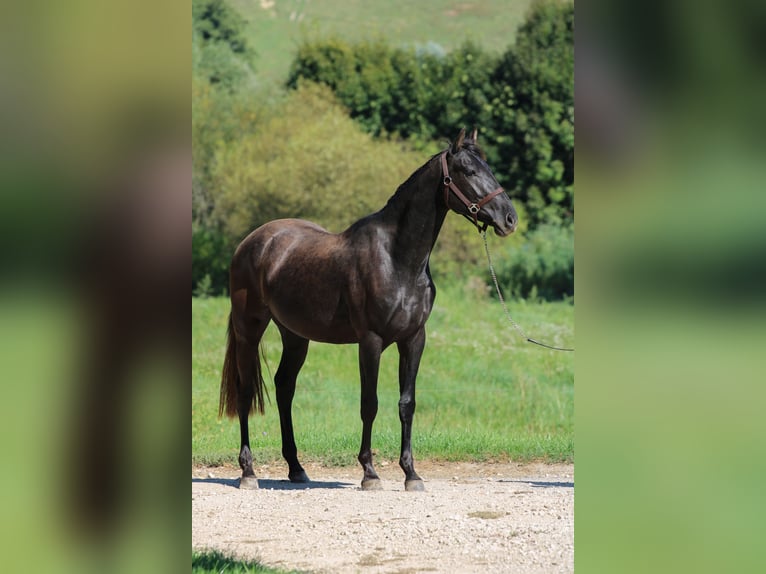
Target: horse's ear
475,136
458,143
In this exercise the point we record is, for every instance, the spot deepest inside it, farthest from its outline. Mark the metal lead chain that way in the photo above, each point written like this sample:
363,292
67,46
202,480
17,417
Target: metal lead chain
502,300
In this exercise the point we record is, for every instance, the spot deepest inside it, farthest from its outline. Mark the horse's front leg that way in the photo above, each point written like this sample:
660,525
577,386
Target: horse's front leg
410,352
370,348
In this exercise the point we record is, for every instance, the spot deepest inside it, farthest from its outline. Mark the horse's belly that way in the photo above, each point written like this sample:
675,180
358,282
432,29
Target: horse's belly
314,321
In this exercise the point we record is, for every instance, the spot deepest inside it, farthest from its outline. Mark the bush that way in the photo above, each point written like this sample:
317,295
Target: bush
211,254
220,52
217,22
308,160
218,119
542,267
401,91
380,86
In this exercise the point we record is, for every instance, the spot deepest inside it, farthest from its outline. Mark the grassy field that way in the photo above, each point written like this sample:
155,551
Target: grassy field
483,393
276,27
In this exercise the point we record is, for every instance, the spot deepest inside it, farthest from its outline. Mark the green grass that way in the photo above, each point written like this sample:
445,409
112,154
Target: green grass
276,31
214,563
483,393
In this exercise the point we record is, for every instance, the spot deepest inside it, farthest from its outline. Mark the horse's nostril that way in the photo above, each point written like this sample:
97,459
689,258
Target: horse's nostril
512,220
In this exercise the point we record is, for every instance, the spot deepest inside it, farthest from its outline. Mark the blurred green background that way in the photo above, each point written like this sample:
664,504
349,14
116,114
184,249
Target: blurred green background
670,314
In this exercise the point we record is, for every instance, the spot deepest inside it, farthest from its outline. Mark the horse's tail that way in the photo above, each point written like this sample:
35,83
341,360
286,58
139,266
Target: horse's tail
230,379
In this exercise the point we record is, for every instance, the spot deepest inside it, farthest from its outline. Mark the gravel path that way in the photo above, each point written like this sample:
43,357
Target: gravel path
472,518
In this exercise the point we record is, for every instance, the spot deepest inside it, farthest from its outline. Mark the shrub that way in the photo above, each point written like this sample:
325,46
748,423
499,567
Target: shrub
539,267
218,119
211,254
204,287
217,22
380,86
412,93
308,160
220,52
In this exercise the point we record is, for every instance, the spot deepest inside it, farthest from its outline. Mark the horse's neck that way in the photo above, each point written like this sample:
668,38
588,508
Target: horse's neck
415,215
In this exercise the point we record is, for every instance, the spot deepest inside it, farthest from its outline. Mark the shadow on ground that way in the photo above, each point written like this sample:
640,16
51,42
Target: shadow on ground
273,484
541,484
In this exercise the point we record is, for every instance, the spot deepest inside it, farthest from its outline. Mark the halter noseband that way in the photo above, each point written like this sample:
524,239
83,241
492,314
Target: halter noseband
473,208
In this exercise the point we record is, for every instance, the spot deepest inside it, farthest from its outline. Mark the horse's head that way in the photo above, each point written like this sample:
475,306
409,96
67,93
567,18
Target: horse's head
470,187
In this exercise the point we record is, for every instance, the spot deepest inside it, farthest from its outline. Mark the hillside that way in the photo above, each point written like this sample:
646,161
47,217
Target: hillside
276,27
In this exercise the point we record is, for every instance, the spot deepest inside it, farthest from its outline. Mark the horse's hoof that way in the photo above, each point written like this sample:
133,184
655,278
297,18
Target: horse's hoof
414,486
299,476
248,483
372,484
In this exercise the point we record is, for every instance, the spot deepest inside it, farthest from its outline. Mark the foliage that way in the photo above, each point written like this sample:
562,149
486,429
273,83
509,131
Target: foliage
362,76
222,112
216,22
218,65
309,160
221,54
211,253
204,287
542,267
534,112
400,91
219,118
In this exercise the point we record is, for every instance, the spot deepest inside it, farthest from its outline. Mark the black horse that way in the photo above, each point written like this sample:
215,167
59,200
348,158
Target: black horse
369,285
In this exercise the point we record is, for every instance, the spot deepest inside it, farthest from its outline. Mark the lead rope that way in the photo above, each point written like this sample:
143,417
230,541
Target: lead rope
502,300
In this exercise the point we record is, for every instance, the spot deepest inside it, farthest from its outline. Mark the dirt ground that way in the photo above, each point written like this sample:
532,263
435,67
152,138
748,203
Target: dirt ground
473,517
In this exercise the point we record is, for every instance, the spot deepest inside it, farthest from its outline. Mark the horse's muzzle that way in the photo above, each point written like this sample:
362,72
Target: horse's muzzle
508,226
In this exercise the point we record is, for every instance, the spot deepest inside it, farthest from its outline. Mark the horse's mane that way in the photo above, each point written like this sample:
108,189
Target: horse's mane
468,145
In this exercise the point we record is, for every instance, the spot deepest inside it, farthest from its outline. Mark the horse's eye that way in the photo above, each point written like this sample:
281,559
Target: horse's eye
471,172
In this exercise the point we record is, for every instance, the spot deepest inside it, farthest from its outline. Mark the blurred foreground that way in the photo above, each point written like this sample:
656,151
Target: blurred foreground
95,209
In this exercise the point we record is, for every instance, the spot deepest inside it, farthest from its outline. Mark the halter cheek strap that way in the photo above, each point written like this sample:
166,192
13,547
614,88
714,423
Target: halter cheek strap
472,207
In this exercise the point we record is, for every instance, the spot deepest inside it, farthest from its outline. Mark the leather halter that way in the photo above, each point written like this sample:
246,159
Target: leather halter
473,207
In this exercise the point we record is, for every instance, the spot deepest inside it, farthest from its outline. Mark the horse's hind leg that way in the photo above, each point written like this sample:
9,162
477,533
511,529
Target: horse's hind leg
248,338
294,350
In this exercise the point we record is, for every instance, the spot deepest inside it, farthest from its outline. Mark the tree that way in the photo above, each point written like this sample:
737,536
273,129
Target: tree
215,21
222,112
220,51
534,112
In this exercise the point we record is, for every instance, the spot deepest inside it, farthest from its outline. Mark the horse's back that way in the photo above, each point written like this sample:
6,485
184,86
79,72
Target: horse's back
280,228
279,236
